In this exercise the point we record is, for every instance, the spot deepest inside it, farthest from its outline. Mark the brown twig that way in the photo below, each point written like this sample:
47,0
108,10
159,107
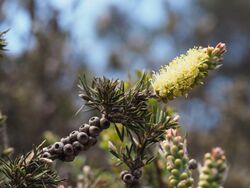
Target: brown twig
3,132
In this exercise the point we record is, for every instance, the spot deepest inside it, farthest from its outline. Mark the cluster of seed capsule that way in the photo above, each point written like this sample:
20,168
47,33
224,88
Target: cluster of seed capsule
131,178
213,172
178,163
83,138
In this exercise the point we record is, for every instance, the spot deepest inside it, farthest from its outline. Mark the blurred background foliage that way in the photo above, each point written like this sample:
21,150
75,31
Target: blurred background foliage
51,42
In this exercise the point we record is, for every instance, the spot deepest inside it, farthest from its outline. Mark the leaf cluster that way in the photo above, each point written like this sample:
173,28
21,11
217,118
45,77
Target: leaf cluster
109,97
28,170
143,121
138,150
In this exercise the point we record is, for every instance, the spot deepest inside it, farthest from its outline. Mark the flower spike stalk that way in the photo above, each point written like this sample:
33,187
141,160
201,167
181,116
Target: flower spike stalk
186,71
174,148
214,170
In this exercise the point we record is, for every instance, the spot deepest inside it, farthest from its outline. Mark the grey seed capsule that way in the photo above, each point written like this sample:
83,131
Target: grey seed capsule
137,173
94,121
94,131
84,128
65,140
69,158
46,155
45,149
123,173
104,123
51,150
128,178
92,141
46,160
73,136
77,146
68,149
192,164
82,138
58,147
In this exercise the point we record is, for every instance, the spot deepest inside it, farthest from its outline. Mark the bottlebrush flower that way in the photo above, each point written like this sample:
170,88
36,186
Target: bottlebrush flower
186,71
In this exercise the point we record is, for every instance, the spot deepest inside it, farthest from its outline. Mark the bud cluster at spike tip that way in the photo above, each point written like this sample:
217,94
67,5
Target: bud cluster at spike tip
186,71
175,153
79,140
214,169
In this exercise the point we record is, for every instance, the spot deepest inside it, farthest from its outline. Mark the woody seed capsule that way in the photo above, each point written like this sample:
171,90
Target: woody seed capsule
192,164
77,146
58,147
73,136
84,128
51,150
94,131
45,149
104,123
65,140
94,121
123,173
68,149
128,178
46,155
82,138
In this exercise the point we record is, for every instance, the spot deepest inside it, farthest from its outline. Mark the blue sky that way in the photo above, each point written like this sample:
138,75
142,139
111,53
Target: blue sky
79,21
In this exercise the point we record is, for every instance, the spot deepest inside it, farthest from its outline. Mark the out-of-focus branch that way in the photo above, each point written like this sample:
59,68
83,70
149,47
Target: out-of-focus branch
159,174
3,131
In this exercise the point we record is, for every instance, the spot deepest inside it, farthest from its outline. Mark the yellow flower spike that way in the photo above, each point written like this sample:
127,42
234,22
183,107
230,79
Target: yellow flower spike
186,71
